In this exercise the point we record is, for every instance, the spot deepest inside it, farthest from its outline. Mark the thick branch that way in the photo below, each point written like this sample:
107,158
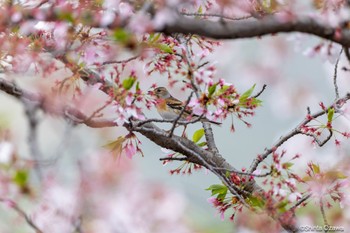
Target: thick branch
254,28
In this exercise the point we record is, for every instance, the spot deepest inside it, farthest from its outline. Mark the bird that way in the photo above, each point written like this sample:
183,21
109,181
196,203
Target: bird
169,108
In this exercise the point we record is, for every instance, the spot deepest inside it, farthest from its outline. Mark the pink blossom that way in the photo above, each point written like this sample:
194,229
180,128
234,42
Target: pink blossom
214,201
129,98
257,172
16,17
280,192
60,34
198,110
130,150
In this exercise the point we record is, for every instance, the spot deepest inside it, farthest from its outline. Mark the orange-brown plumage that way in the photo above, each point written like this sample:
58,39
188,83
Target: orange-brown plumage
170,108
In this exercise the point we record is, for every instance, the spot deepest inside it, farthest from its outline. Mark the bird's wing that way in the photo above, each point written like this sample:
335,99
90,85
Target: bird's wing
174,103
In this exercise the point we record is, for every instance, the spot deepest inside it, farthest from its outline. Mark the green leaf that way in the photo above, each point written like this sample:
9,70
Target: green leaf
335,175
307,178
256,201
246,94
197,135
21,177
330,114
116,146
223,89
201,144
165,48
129,82
316,168
218,189
154,37
256,102
282,206
66,16
121,35
211,90
200,9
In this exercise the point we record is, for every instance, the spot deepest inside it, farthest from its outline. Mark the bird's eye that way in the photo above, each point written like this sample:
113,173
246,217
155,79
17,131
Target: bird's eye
158,90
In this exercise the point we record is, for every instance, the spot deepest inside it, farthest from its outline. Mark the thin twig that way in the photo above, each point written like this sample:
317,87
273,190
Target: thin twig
180,115
120,62
31,115
154,120
260,92
173,159
99,110
296,131
301,201
319,142
336,89
23,214
245,173
203,64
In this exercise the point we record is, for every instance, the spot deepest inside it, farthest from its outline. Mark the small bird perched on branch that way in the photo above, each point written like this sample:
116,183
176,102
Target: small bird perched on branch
170,108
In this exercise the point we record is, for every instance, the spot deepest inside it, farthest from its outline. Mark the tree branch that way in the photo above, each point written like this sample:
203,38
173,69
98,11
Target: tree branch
256,28
23,214
335,76
297,130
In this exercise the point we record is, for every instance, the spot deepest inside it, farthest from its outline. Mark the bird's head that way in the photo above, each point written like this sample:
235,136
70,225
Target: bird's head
161,93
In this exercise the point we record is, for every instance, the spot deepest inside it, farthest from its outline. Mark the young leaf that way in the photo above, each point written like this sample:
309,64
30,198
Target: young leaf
282,206
201,144
121,35
316,168
165,48
218,189
335,175
128,83
197,135
330,114
21,177
211,90
256,201
116,146
154,37
200,9
246,94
